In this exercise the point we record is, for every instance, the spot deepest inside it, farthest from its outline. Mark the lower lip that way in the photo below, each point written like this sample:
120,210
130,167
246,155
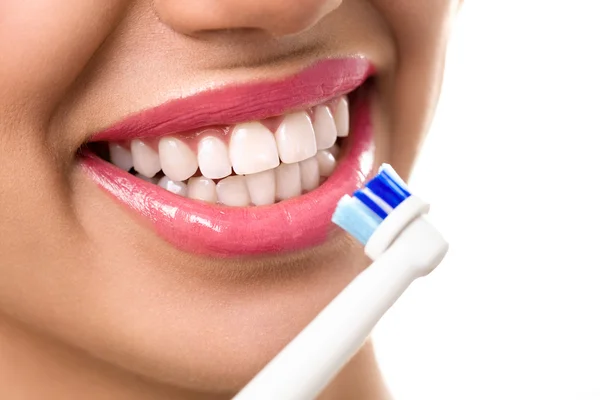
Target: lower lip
221,231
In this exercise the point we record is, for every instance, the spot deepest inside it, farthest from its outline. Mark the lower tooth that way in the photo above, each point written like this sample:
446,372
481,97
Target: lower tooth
202,188
287,181
232,191
261,187
145,178
309,174
326,162
172,186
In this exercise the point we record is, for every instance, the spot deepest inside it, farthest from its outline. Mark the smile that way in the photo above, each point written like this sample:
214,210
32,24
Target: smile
243,170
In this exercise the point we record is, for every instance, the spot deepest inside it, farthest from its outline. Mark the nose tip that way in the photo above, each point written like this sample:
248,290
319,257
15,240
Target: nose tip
276,17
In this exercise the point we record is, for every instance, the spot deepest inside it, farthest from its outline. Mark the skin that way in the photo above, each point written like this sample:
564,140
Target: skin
91,300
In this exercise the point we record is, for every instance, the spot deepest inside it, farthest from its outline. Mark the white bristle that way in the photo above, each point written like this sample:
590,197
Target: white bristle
394,175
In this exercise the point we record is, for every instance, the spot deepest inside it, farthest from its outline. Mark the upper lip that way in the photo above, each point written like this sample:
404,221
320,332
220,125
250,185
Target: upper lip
209,228
249,101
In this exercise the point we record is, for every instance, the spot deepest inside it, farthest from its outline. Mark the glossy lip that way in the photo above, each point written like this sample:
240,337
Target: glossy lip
222,231
317,84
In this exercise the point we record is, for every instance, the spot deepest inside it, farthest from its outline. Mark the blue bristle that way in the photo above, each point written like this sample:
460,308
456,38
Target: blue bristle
393,177
361,215
355,218
384,189
366,200
387,168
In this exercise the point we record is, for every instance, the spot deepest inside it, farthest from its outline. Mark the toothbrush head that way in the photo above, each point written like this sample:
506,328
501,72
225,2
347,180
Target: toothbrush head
361,214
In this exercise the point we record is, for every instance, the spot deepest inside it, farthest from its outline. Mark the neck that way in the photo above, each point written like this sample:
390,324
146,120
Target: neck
32,366
360,379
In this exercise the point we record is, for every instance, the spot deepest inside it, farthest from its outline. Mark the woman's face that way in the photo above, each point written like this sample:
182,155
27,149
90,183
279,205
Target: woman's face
174,289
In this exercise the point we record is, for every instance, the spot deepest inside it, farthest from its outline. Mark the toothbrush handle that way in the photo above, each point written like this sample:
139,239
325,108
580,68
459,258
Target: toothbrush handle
307,364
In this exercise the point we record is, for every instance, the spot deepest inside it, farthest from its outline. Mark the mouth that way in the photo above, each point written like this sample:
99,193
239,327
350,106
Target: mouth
243,170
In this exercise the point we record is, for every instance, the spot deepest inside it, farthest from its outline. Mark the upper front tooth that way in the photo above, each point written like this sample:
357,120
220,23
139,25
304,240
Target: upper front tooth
342,117
177,160
325,129
213,158
232,191
172,186
120,156
296,138
145,158
252,149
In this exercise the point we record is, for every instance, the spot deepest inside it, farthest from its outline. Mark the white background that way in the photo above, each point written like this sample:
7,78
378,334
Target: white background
512,169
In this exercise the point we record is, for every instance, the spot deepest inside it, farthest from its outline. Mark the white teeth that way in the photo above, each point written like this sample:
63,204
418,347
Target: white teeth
232,191
120,156
287,181
309,174
325,129
145,159
252,149
266,167
342,117
213,158
145,178
177,160
296,138
202,189
326,162
172,186
261,187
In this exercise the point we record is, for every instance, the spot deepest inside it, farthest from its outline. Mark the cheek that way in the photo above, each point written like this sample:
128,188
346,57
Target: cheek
44,44
420,29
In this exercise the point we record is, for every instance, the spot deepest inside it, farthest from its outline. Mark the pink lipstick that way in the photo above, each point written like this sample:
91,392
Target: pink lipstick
219,230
